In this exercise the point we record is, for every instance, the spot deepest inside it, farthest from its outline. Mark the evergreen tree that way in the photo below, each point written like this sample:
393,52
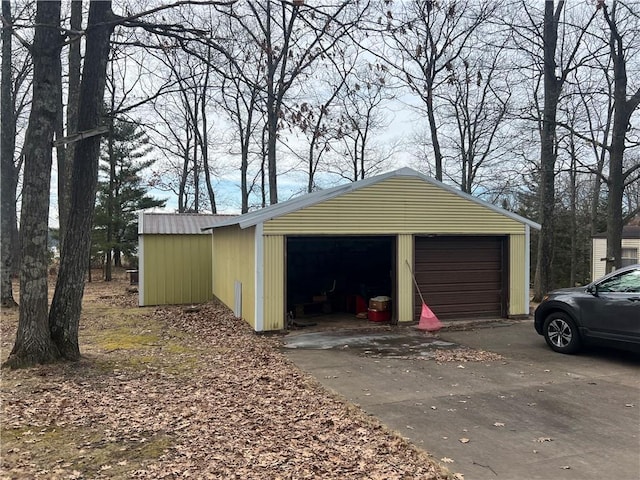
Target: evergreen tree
121,193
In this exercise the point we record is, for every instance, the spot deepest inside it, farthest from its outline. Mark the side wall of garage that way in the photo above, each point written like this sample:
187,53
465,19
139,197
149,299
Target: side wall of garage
234,263
175,269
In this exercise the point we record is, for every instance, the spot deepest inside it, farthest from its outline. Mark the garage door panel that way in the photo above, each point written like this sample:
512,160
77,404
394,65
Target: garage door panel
460,276
453,298
453,277
465,310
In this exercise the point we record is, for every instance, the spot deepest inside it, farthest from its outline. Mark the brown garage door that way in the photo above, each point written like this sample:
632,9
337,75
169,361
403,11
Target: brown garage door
461,277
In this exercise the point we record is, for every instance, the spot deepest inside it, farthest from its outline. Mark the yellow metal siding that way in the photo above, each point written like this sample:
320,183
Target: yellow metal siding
234,260
176,269
397,205
518,284
405,279
598,268
274,294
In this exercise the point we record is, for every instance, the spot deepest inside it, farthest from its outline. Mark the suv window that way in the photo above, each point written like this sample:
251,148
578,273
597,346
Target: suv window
625,282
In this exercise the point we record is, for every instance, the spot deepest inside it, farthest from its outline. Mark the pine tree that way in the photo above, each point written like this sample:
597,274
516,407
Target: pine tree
121,193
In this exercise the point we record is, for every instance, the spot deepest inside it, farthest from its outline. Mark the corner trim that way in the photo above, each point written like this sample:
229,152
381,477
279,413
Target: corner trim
259,279
527,265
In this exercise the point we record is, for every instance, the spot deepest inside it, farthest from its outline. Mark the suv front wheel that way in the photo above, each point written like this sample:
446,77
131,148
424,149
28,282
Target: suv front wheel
561,333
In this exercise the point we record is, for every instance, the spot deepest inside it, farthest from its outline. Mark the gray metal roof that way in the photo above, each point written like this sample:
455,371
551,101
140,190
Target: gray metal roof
150,223
628,231
273,211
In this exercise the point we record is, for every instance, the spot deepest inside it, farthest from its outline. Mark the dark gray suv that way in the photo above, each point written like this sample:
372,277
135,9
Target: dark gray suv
607,310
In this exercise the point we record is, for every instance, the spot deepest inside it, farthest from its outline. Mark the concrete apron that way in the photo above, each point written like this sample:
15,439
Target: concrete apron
533,414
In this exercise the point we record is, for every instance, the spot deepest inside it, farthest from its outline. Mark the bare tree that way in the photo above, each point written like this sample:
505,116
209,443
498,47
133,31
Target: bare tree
556,62
421,40
9,172
291,36
33,341
191,98
361,104
242,102
623,109
65,151
66,306
15,93
479,102
319,117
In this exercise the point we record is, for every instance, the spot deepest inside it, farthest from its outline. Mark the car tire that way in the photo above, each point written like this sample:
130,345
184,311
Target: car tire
561,333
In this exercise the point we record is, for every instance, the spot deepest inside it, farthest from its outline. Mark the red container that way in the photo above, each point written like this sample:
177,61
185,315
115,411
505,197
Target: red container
356,304
379,315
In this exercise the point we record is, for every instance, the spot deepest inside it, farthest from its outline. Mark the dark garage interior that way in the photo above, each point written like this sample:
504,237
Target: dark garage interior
337,274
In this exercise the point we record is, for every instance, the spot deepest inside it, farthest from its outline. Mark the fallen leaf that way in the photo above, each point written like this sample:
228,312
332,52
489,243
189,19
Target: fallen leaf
446,460
544,439
196,394
498,424
464,440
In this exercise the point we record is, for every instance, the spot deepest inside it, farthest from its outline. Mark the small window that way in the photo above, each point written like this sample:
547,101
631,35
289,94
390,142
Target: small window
629,256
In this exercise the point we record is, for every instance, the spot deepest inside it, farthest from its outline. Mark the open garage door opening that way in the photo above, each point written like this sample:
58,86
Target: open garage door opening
333,277
462,277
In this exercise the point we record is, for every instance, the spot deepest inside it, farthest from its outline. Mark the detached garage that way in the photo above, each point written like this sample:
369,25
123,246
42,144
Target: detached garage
174,258
332,251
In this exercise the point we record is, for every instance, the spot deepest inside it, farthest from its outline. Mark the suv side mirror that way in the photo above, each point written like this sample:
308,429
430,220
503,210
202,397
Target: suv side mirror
593,290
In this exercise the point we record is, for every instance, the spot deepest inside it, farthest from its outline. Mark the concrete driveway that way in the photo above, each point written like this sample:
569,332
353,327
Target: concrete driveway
532,414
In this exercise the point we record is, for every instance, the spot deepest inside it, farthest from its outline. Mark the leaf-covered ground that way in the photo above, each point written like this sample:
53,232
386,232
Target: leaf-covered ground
162,393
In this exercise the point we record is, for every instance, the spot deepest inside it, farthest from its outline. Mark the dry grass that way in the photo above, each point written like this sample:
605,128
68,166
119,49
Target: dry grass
160,393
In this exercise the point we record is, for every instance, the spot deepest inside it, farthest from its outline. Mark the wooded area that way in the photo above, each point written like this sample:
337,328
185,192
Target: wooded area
529,105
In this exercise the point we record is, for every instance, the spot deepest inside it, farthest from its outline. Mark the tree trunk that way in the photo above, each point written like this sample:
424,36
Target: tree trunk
546,193
433,129
66,307
263,180
272,122
574,214
33,344
65,167
111,193
244,168
8,170
204,138
622,111
616,179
